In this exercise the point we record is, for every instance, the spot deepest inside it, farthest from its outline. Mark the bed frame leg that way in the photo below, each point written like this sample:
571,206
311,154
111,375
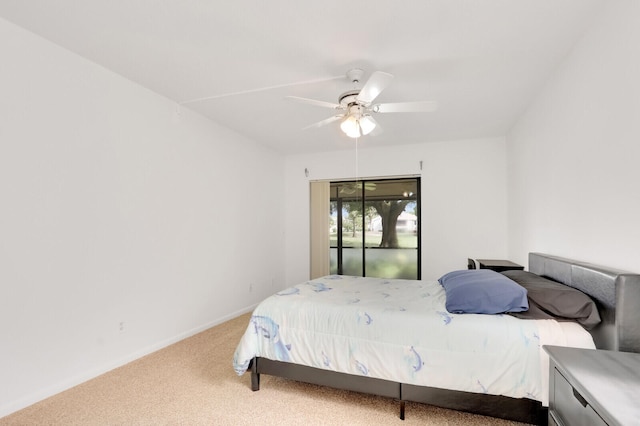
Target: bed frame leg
255,377
402,410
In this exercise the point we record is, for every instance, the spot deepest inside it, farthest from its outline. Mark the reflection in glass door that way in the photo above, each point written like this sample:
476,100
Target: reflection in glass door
375,228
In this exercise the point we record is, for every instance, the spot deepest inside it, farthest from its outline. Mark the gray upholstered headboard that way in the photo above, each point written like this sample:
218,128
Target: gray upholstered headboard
616,292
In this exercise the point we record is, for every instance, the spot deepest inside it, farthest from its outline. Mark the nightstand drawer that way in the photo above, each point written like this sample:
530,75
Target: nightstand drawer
569,407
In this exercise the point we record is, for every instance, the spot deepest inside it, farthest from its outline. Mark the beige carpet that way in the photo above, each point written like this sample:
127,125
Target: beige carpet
193,383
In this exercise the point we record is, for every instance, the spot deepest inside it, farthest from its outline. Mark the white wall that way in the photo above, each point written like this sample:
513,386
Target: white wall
574,157
463,198
112,207
116,209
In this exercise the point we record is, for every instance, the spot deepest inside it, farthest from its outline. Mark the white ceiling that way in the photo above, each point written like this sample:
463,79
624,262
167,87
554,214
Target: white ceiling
482,60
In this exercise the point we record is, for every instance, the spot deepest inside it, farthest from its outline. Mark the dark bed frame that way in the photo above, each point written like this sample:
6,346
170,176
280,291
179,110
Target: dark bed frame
616,292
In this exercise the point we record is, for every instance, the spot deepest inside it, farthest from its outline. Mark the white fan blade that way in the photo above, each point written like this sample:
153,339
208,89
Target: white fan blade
314,102
324,122
423,106
372,88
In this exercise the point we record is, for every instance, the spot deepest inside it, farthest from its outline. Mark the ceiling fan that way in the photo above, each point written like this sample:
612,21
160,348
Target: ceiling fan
356,106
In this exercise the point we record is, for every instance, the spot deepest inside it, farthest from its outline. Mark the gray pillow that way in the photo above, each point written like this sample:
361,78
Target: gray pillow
482,291
552,300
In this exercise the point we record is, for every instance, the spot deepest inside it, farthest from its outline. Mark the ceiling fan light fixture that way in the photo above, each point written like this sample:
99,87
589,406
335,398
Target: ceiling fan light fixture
350,126
367,124
355,127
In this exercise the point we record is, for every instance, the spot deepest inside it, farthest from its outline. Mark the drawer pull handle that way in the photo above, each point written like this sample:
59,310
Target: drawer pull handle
579,397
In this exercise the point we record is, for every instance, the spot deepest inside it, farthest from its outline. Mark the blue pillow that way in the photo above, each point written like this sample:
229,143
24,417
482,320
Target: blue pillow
482,291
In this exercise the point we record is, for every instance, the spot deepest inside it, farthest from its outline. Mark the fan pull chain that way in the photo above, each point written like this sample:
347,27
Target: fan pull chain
356,184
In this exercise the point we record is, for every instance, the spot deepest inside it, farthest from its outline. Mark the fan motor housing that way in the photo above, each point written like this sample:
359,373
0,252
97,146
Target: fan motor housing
348,98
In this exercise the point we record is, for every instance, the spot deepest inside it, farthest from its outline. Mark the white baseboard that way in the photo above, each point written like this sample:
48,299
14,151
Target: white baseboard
24,402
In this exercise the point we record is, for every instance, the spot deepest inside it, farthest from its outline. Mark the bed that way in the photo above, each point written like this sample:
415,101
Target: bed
369,365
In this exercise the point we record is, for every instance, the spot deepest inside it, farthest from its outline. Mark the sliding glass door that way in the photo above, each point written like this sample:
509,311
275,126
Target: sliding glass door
375,228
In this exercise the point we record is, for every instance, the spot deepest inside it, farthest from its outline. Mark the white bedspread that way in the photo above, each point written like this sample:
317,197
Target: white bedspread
399,330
